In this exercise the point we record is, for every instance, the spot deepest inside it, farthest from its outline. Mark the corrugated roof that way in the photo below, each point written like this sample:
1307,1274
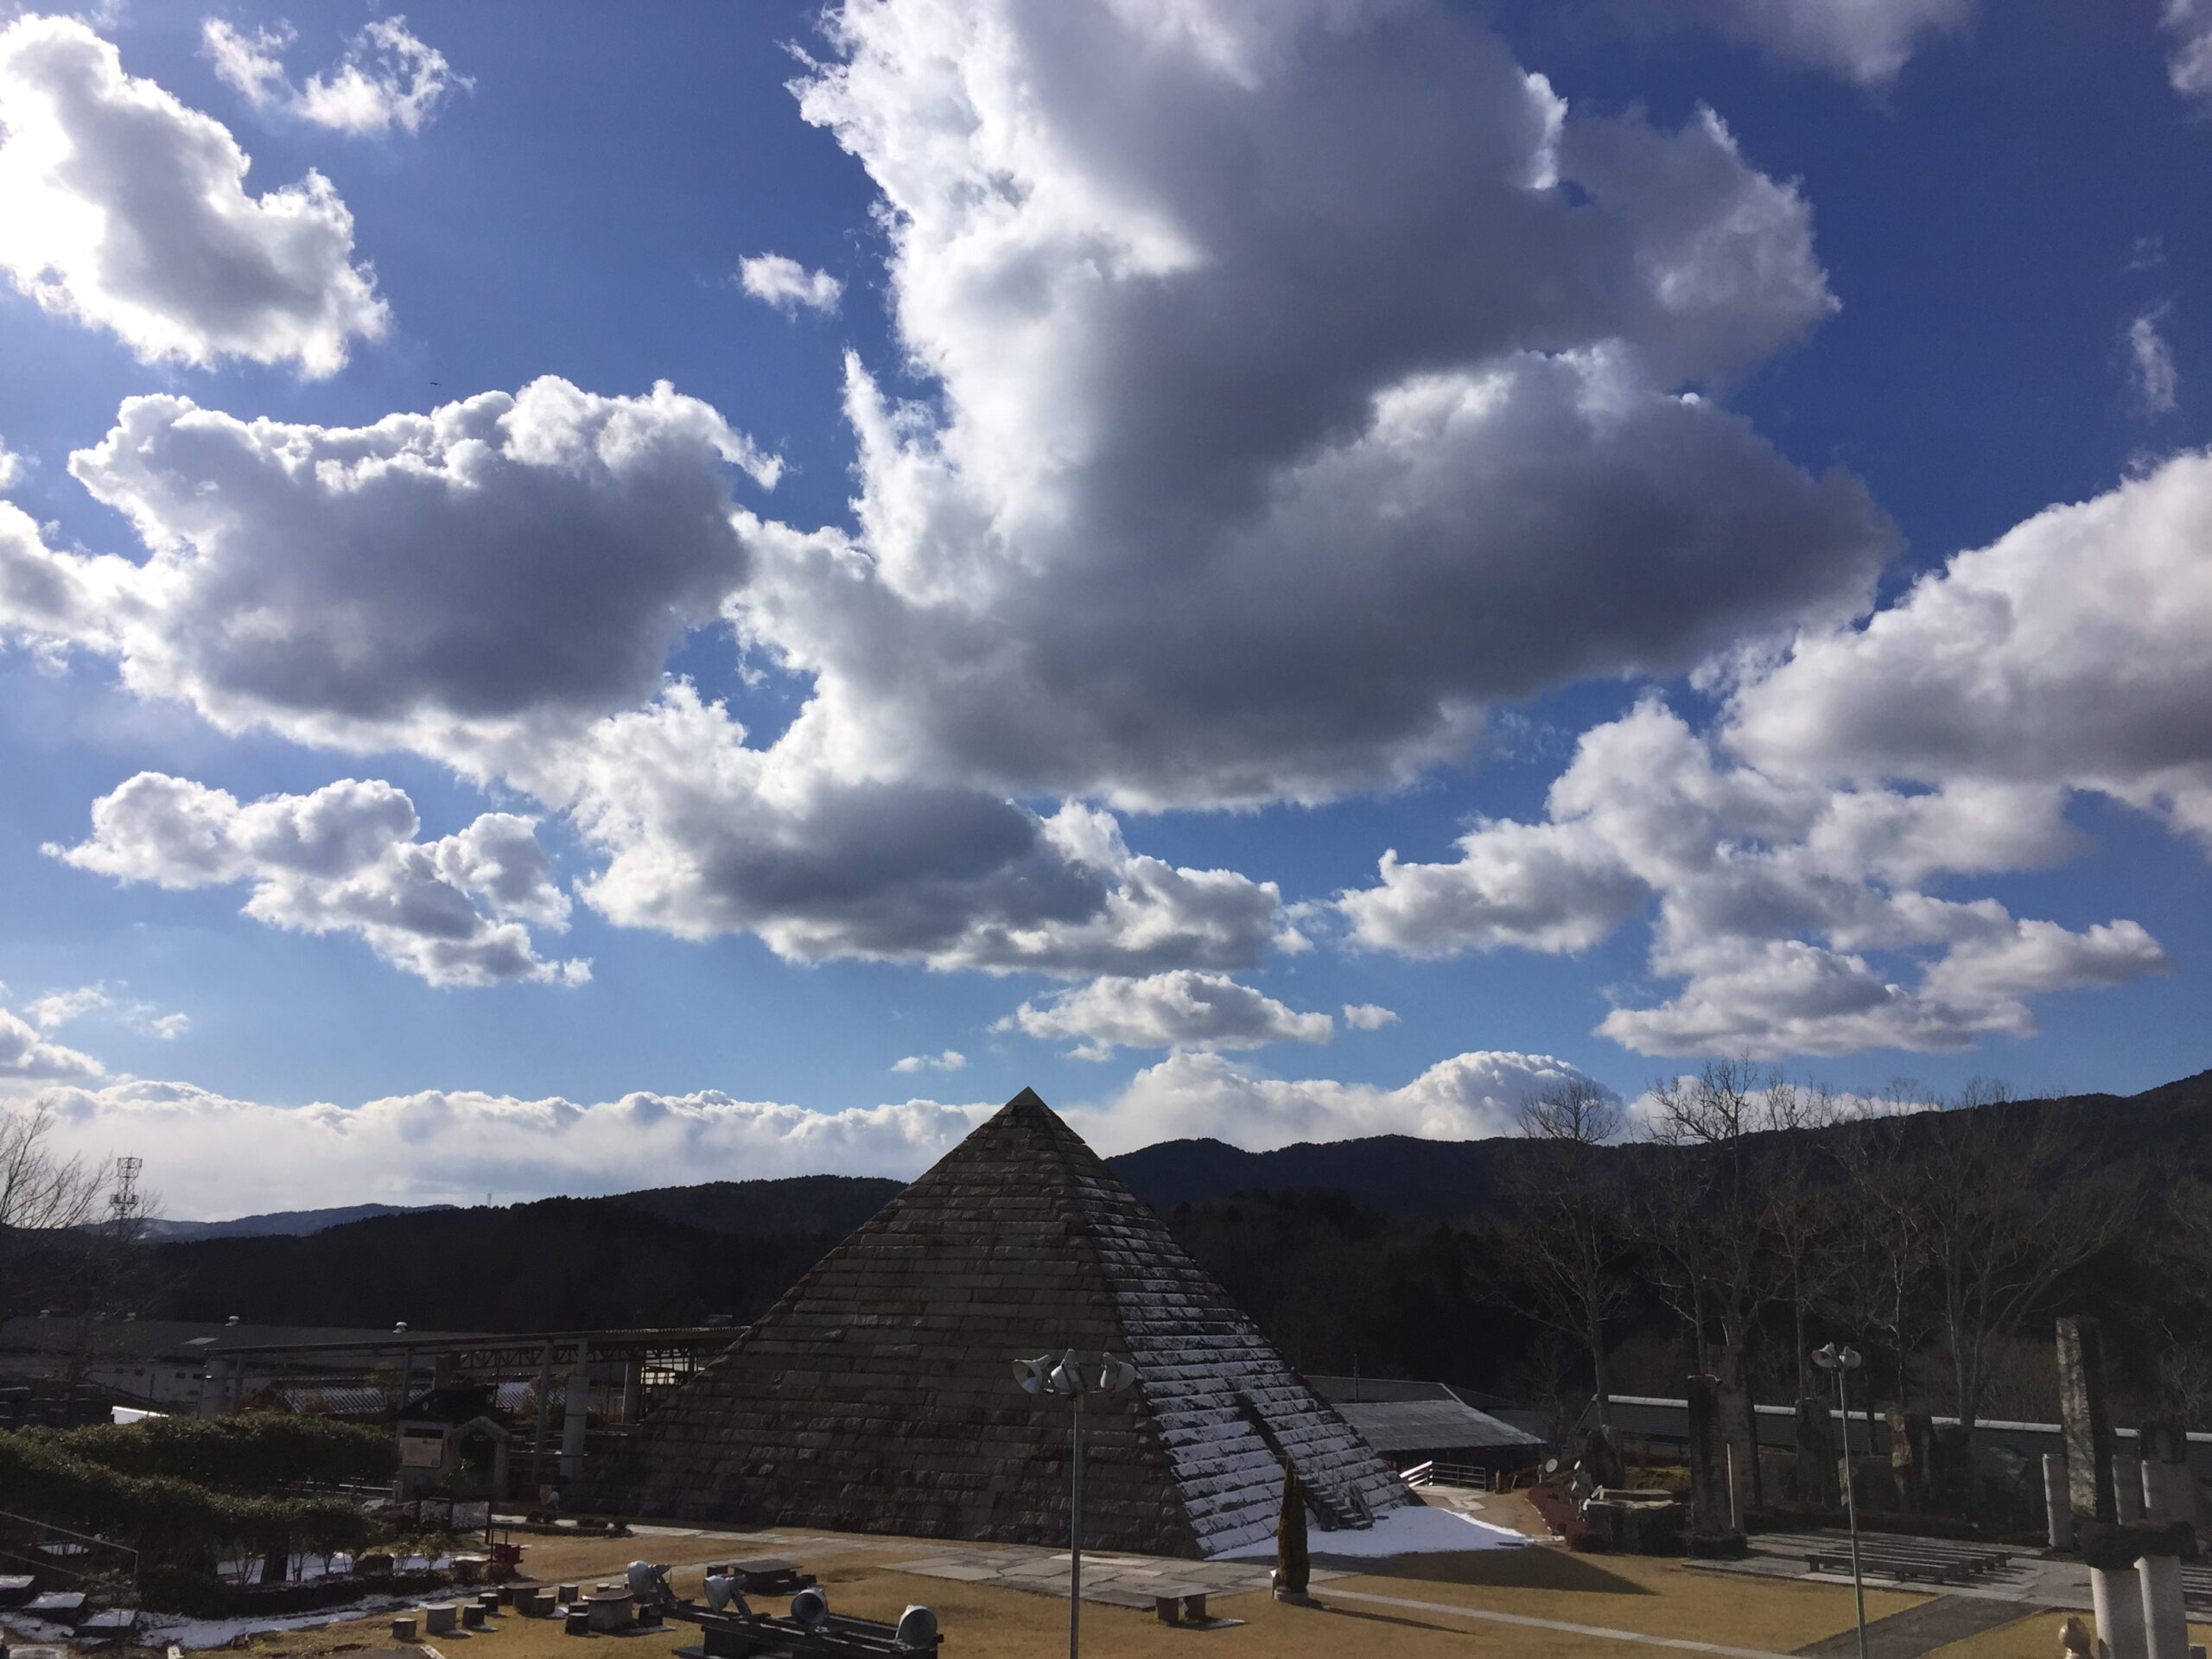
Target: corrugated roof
1396,1426
190,1339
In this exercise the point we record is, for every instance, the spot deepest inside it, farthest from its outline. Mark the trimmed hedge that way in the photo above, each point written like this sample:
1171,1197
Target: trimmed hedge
252,1453
171,1522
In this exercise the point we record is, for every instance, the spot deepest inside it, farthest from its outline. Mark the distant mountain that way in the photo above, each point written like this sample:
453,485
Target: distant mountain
796,1203
1394,1175
286,1223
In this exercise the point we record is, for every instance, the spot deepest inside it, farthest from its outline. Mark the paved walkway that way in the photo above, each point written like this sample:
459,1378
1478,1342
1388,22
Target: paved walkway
1485,1615
2029,1579
1934,1623
1116,1581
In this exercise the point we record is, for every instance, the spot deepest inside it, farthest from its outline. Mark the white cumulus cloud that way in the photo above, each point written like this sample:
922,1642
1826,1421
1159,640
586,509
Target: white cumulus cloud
345,859
1468,1097
58,1008
1770,891
788,285
387,78
126,211
1867,42
214,1155
2189,56
1369,1016
1181,1008
950,1059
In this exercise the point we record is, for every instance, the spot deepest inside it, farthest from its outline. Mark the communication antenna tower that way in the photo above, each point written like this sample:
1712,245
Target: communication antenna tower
123,1203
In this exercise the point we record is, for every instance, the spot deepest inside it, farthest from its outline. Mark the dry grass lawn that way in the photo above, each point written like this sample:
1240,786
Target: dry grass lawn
981,1621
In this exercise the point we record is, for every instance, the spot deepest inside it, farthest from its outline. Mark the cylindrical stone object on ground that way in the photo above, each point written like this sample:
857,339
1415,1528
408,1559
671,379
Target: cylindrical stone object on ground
438,1618
2057,1500
2165,1615
402,1629
2116,1600
2127,1489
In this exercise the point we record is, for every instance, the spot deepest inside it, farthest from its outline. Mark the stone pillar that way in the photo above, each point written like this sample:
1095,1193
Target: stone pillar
1739,1427
1816,1481
1910,1443
2165,1615
1712,1511
2168,1488
2059,1506
632,1389
577,1413
2127,1490
2085,1420
2116,1600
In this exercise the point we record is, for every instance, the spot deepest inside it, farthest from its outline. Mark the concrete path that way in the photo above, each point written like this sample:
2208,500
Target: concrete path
1485,1615
1115,1580
2031,1579
1934,1623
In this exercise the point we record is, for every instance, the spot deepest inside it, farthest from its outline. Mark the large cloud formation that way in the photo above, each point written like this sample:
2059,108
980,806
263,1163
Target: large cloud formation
1941,738
1294,383
123,208
1307,377
345,859
212,1155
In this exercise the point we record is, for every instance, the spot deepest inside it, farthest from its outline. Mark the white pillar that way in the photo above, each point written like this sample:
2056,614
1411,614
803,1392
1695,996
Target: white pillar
2169,1493
2116,1596
2127,1489
574,1420
2057,1500
2165,1615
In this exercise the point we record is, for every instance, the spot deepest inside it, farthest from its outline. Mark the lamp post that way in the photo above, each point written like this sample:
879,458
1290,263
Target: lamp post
1070,1375
1843,1362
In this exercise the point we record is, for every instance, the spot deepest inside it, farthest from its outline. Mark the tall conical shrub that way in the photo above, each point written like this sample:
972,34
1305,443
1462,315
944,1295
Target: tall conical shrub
1292,1567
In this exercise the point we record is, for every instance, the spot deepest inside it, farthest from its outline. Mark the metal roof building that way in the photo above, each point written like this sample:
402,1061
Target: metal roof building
1409,1422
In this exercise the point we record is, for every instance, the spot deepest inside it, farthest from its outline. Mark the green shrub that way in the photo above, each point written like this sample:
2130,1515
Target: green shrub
253,1453
169,1521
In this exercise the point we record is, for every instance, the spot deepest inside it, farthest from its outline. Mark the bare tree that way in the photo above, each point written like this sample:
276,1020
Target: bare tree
42,1191
2003,1216
1569,1242
1804,1218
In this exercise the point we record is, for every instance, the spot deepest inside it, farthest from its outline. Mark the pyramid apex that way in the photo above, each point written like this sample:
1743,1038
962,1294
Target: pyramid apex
1029,1100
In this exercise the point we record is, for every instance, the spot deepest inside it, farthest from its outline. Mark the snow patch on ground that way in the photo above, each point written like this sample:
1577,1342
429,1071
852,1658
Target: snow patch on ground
1413,1529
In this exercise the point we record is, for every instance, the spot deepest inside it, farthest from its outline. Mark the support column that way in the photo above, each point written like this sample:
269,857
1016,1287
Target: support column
2127,1489
2056,1501
2116,1598
2165,1615
2168,1488
575,1418
1816,1482
544,1419
1712,1507
634,1371
2086,1420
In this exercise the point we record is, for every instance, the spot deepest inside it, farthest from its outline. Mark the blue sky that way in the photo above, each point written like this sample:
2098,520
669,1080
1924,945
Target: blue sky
1176,455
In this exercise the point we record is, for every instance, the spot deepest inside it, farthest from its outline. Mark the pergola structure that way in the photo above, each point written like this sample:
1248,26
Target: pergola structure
633,1366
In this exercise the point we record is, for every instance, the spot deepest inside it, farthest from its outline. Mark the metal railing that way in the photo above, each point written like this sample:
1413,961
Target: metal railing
1434,1473
54,1556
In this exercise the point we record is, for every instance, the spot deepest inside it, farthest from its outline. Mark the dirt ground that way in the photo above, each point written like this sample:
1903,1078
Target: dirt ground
1645,1597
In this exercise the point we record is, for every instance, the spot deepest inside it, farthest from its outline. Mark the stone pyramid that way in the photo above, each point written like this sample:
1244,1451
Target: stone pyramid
877,1395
